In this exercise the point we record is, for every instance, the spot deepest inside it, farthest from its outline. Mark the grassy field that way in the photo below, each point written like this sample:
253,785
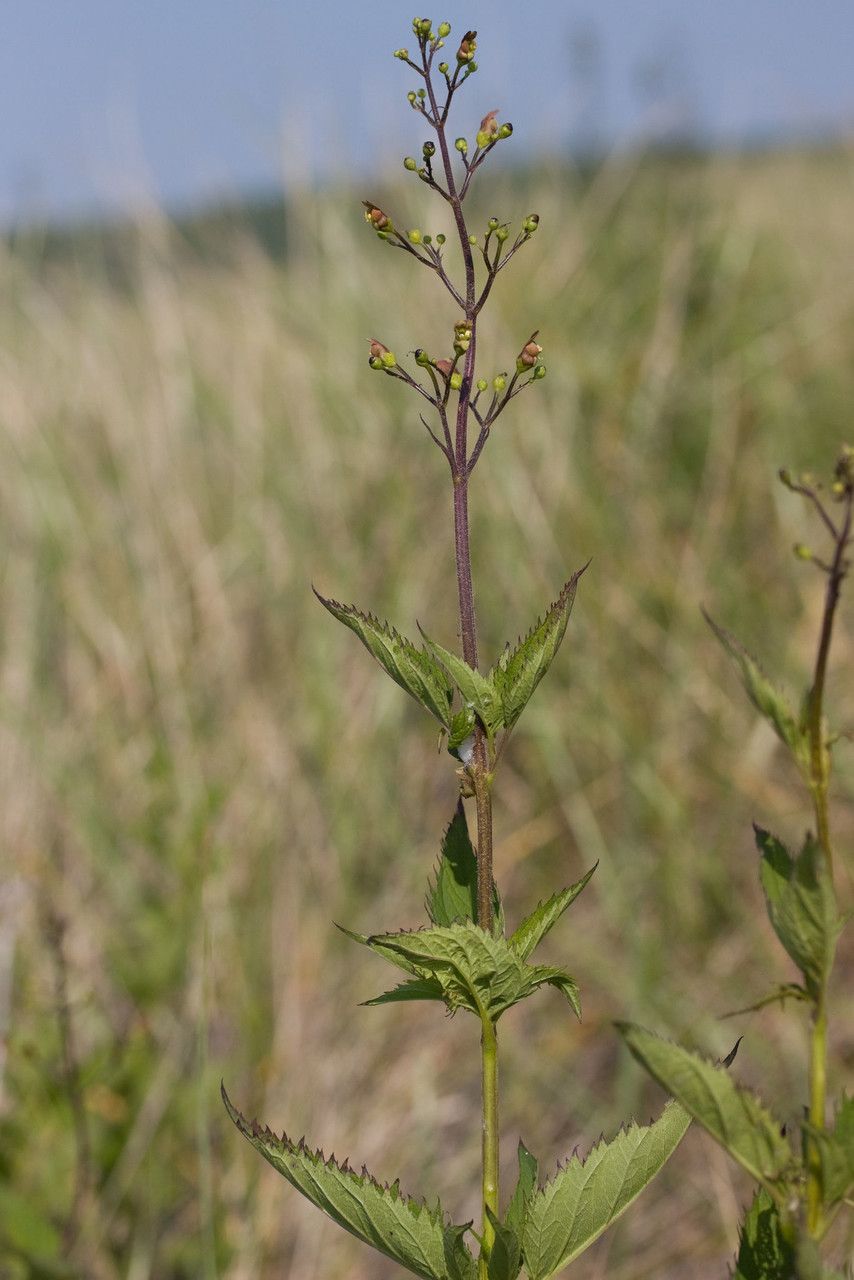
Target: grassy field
200,772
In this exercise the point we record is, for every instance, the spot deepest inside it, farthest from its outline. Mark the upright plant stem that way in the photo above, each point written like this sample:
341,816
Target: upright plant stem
819,782
468,634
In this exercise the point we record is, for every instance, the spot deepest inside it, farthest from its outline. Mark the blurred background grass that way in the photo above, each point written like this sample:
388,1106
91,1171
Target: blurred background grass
199,772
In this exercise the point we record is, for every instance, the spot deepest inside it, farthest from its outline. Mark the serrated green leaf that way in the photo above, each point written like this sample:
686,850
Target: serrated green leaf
458,1259
476,970
413,669
518,672
476,690
801,906
764,1252
394,957
461,731
534,927
732,1115
768,700
505,1256
414,989
403,1229
526,1185
586,1196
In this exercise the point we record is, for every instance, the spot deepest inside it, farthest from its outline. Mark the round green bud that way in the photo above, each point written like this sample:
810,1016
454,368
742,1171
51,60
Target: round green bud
388,359
505,130
422,358
531,223
414,236
412,97
443,68
401,53
493,224
424,27
427,239
471,68
423,173
422,93
461,145
502,233
440,239
383,235
410,163
802,552
429,149
540,372
482,384
499,383
837,490
375,362
444,29
416,25
472,240
456,381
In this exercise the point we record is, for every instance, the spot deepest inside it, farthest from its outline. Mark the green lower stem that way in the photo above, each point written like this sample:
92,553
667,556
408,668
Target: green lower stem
818,1043
489,1061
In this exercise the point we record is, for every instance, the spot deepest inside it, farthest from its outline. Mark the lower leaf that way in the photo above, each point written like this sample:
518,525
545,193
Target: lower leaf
403,1229
586,1196
764,1253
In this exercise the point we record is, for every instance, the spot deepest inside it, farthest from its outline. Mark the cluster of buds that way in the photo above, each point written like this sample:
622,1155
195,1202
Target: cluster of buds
422,27
491,131
380,356
380,221
527,359
466,51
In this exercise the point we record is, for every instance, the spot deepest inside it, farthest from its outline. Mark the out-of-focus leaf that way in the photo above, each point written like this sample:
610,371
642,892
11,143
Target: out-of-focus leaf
801,905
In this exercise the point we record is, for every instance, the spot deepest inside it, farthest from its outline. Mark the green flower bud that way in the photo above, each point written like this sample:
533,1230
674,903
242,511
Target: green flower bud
389,360
443,68
540,372
427,239
461,145
468,44
502,233
483,138
471,68
424,27
802,552
456,381
440,238
422,358
482,384
375,362
500,382
837,490
414,236
401,53
422,93
531,223
384,235
473,241
505,130
429,149
412,97
444,29
493,224
410,163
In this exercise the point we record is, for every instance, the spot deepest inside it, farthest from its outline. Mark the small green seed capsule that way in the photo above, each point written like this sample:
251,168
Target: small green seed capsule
422,358
499,383
401,53
531,223
440,238
456,381
502,233
389,360
482,384
415,236
375,362
802,552
472,240
837,490
410,163
493,224
424,27
461,145
483,138
412,97
429,149
427,239
444,29
540,372
505,130
443,68
422,93
471,68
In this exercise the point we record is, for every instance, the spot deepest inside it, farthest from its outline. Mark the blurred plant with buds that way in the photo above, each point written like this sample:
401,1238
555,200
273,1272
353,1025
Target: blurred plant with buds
803,1164
466,958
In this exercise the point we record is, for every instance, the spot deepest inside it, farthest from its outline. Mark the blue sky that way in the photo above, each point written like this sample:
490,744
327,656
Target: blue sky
106,103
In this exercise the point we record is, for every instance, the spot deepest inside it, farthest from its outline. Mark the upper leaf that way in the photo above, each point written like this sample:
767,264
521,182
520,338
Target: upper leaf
534,927
458,1259
765,1253
586,1196
801,905
403,1229
525,1188
475,970
477,691
518,672
413,669
836,1149
731,1114
453,894
766,698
